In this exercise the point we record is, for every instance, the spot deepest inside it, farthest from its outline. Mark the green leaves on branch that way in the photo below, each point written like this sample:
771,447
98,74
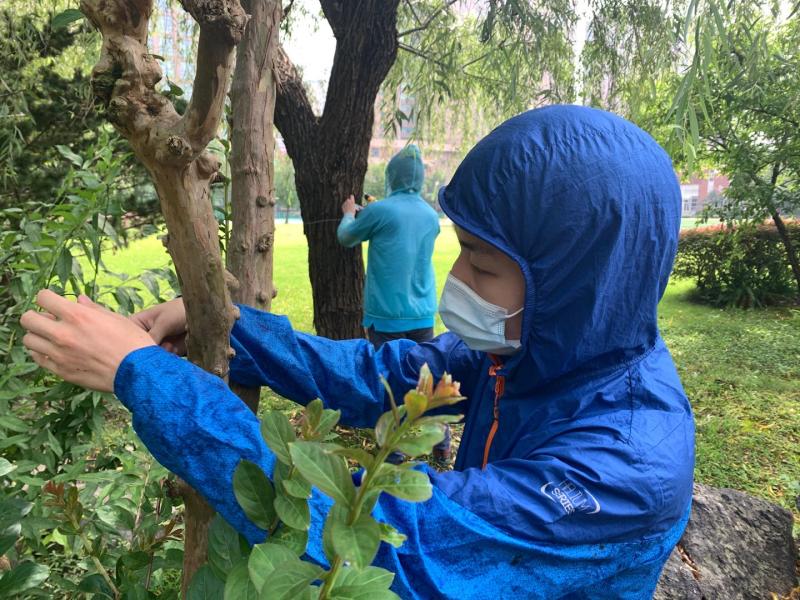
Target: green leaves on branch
351,537
325,470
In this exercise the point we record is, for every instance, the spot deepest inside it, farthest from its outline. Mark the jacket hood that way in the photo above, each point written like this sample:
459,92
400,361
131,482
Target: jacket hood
588,205
405,171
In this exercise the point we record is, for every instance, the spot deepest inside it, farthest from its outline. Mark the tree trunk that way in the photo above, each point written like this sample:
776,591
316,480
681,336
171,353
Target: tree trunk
330,152
172,148
791,251
252,172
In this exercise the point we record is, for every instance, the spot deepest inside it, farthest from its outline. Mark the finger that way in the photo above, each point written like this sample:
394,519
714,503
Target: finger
143,319
55,304
157,333
86,301
44,361
43,324
38,343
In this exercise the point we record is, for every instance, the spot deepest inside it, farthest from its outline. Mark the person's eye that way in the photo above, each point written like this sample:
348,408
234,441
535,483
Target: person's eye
480,271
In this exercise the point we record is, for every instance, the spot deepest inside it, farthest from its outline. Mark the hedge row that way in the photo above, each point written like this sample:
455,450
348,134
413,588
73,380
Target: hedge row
742,266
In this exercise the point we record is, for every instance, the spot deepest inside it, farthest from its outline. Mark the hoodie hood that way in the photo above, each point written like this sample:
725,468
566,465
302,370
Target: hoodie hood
588,205
405,171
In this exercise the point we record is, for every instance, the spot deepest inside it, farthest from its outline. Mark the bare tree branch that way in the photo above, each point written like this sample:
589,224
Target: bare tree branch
413,12
428,21
294,116
421,54
222,24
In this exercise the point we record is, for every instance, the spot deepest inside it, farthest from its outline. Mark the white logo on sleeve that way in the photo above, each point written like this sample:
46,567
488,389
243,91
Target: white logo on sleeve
571,497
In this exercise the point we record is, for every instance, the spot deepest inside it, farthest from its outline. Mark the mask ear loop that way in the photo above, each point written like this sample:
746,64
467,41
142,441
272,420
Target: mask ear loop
515,313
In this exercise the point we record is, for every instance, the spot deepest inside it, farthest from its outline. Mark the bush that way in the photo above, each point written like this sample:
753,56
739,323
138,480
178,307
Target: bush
741,266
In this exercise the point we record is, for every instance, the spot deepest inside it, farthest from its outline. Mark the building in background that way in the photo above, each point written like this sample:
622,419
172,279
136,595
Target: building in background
697,193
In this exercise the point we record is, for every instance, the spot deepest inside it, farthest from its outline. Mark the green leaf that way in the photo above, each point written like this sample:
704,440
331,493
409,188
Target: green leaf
337,513
368,578
357,593
361,456
295,540
313,413
254,492
69,154
115,516
23,577
384,427
370,500
66,17
278,433
415,404
136,592
225,547
357,543
205,585
404,483
328,421
297,487
293,511
324,470
8,540
390,535
289,581
238,585
5,467
263,560
420,440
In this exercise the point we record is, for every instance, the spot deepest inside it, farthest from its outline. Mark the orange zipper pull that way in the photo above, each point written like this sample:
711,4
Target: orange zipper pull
499,388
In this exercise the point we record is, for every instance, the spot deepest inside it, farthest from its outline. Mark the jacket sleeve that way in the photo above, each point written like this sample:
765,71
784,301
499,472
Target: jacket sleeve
352,231
344,374
198,429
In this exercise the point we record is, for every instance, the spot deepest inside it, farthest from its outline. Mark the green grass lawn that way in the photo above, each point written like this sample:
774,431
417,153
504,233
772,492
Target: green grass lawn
741,369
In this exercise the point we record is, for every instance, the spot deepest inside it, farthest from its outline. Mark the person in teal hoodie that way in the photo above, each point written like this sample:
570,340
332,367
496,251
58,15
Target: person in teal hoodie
400,292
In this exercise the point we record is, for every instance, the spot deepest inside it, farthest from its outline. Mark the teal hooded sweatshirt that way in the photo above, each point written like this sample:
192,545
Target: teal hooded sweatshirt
400,291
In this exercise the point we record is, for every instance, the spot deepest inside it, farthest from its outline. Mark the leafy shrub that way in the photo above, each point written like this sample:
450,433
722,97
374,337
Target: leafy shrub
742,266
351,536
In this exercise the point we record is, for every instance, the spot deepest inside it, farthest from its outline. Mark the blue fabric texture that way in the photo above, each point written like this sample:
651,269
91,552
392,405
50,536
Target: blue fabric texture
400,288
589,478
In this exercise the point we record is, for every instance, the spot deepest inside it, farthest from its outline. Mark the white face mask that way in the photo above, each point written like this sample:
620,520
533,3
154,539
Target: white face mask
481,324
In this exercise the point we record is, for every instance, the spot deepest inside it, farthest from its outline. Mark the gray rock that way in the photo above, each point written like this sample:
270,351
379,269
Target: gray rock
736,546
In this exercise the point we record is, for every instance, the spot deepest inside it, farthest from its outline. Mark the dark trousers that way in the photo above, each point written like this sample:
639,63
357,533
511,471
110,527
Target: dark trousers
377,339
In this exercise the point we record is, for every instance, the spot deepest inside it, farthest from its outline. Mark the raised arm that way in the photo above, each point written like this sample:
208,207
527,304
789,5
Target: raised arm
345,375
487,530
352,230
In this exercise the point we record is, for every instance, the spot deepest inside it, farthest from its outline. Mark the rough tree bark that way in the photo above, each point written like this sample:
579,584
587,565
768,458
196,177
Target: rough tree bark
172,148
252,173
791,252
330,151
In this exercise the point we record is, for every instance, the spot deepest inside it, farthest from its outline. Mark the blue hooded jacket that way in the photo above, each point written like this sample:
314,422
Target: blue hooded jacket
400,288
589,477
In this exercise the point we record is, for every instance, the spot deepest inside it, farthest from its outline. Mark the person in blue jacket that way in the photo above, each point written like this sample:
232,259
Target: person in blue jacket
574,474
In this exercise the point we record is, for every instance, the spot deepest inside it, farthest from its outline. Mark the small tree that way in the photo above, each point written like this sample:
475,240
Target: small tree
173,149
738,107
